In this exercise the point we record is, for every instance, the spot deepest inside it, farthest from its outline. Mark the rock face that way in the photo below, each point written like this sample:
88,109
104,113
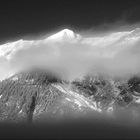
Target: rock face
37,96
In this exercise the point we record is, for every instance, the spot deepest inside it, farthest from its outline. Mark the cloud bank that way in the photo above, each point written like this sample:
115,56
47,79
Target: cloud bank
72,55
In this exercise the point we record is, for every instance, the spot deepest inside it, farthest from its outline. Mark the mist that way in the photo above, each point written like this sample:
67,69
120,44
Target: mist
115,53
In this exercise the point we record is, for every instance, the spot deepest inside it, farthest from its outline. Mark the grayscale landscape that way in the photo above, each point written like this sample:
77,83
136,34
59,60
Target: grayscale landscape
70,69
45,87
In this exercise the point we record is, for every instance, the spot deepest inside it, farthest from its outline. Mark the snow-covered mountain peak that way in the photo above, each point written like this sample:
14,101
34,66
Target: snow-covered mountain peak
64,34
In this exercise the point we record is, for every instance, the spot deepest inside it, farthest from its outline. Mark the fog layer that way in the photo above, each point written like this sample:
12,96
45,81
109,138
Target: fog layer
115,54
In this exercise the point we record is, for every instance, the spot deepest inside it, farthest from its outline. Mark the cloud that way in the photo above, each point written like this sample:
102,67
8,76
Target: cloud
116,53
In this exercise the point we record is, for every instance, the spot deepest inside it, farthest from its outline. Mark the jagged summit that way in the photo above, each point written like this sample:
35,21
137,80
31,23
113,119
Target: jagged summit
64,34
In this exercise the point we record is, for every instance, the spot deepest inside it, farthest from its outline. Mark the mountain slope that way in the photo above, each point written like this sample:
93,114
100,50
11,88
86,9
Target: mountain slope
27,96
42,96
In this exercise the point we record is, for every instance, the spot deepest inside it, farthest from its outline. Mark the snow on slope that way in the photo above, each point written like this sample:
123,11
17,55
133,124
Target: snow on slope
64,35
8,49
67,106
78,99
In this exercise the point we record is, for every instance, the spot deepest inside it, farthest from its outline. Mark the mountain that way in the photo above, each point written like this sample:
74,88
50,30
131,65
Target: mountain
70,36
64,35
8,49
35,95
42,96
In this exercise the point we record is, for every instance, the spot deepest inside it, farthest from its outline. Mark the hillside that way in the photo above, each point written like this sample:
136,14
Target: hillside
42,96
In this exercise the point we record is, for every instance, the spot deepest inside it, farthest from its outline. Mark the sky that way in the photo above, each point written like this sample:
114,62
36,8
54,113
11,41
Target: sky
22,19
